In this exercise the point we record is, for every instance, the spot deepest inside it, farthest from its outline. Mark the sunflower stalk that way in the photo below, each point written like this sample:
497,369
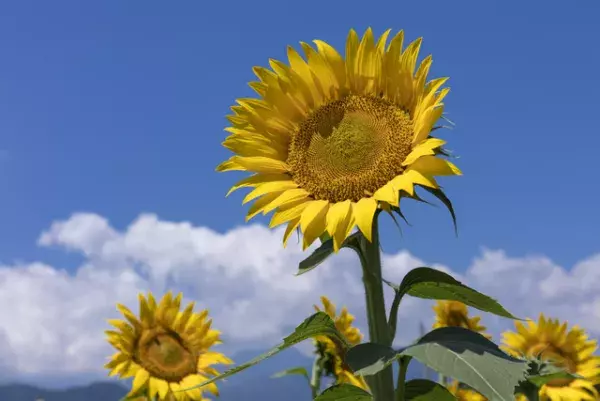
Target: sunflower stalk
382,383
400,388
315,379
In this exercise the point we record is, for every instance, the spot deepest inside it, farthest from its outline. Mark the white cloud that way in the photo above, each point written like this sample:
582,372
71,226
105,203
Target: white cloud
55,320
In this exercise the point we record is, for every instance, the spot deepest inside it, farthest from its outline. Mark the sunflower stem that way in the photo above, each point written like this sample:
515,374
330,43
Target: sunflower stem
316,374
400,388
531,391
382,383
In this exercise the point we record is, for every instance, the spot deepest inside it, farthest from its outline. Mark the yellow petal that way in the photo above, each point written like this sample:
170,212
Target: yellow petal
230,165
267,187
423,149
286,197
338,219
141,378
292,225
257,179
431,166
312,221
191,381
212,358
287,213
259,164
364,212
387,193
352,43
259,205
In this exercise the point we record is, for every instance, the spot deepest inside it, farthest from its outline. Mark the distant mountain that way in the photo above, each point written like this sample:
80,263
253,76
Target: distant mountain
254,384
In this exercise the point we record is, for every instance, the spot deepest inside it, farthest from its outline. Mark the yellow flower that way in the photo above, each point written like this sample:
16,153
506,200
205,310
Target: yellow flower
462,394
329,348
165,350
456,314
329,140
571,350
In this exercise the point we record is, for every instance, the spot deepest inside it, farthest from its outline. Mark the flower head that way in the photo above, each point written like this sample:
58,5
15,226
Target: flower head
572,350
331,351
456,314
330,140
165,350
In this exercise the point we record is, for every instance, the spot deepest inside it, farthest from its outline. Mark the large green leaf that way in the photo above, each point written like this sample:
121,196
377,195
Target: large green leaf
470,358
367,359
426,390
323,252
318,324
344,392
428,283
293,371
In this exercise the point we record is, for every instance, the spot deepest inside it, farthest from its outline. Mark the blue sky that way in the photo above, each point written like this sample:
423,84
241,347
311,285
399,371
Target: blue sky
117,108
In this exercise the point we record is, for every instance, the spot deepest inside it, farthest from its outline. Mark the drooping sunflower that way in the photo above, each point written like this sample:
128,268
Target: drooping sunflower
463,394
165,350
330,350
456,314
572,350
330,140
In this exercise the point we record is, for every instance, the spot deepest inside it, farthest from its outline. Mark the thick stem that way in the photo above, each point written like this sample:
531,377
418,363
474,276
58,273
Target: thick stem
531,391
315,379
382,384
401,378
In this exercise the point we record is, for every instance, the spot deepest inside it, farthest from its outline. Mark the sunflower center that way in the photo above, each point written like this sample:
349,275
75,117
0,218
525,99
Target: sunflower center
164,355
349,148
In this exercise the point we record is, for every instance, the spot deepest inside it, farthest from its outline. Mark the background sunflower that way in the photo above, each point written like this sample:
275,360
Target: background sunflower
165,350
572,350
331,352
456,314
329,140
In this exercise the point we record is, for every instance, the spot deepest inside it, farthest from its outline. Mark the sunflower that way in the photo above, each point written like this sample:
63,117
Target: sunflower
456,314
463,394
165,350
571,350
330,140
330,351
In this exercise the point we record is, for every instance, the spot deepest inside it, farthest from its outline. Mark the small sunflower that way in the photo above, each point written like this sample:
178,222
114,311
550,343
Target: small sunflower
456,314
330,140
330,350
463,394
571,350
165,350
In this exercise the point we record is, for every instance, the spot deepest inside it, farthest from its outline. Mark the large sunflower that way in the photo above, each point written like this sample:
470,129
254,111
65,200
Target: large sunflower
330,351
165,350
330,140
456,314
463,394
571,350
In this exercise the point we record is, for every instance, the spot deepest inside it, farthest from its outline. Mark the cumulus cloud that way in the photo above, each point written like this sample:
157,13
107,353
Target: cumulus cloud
55,320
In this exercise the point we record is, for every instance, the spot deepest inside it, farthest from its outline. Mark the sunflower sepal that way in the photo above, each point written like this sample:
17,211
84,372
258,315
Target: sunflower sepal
325,250
318,324
344,391
426,390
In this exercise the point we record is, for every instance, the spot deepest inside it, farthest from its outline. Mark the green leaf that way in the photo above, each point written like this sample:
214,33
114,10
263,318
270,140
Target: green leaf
426,390
540,380
472,359
438,193
428,283
344,392
323,252
318,324
293,371
367,359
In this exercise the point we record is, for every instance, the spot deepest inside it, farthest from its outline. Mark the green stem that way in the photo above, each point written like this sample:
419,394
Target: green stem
315,380
400,388
382,383
531,391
